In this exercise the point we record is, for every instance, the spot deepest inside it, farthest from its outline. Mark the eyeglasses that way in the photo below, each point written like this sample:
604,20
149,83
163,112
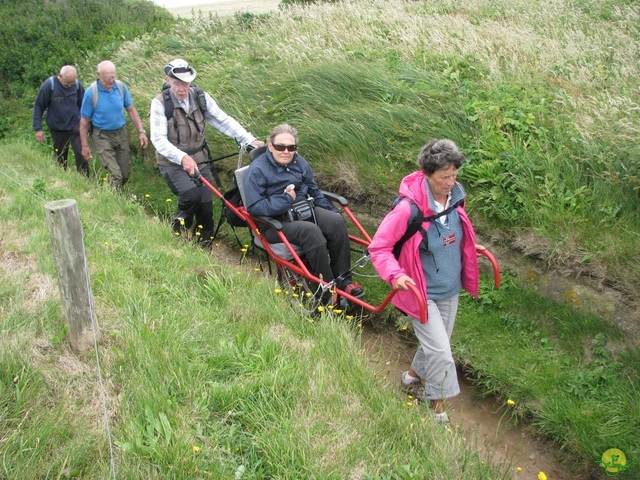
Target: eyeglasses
109,77
281,147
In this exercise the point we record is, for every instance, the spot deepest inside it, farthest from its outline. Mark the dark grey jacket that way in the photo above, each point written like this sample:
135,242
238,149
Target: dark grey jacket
265,182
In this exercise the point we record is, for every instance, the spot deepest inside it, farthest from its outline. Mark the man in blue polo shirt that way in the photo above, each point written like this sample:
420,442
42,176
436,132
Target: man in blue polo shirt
103,106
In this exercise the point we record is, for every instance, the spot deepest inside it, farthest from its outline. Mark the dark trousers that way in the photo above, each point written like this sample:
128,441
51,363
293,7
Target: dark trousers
61,142
194,198
325,245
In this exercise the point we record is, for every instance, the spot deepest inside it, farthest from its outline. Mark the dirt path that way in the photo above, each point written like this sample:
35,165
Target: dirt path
482,421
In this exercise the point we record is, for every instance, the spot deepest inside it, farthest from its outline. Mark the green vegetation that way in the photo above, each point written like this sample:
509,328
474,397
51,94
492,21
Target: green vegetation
543,105
39,37
206,372
566,372
541,96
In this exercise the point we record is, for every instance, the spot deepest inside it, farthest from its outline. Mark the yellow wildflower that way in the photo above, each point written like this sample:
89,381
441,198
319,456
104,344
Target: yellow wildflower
519,469
320,308
196,448
542,476
168,200
146,195
277,290
511,403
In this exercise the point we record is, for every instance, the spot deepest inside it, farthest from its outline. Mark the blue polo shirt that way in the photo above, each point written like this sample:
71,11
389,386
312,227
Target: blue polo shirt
109,111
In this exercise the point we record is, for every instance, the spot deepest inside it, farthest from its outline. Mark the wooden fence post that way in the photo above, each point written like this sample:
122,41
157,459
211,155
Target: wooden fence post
73,278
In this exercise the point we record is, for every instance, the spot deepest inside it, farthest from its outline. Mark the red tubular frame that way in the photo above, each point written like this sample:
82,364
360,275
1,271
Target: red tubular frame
297,265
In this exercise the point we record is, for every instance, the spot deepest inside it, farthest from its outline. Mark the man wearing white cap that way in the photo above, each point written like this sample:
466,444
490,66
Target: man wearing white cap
177,133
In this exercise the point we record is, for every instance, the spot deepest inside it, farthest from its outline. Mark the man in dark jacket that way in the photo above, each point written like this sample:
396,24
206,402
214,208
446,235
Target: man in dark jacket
60,97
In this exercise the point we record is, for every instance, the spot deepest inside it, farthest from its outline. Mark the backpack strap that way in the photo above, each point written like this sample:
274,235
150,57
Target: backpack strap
168,103
94,92
416,219
53,83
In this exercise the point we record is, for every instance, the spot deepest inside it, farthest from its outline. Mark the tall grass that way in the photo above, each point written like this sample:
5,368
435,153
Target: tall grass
539,96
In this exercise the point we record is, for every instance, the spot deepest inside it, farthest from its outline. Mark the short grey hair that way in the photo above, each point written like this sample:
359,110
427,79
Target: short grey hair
283,128
439,154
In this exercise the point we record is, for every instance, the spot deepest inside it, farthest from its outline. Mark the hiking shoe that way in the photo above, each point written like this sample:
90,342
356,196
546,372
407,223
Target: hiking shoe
354,290
181,224
205,240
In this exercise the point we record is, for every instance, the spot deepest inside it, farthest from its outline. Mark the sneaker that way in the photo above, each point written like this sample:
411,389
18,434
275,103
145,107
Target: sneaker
411,385
442,418
407,380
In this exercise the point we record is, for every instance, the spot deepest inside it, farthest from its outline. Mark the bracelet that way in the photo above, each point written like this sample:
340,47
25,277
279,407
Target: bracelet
142,132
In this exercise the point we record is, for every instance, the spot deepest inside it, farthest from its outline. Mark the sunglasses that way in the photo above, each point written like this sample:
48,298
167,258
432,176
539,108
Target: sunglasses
281,148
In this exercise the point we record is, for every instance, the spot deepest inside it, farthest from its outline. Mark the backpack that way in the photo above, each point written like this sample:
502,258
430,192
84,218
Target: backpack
94,92
416,219
168,103
234,198
51,79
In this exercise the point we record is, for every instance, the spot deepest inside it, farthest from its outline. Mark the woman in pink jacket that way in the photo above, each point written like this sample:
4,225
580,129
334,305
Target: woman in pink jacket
440,260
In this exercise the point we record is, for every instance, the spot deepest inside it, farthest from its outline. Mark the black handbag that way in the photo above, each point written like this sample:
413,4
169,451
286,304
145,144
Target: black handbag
302,210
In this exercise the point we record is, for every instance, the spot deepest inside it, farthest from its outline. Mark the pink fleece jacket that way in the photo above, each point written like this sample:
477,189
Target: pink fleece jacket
393,227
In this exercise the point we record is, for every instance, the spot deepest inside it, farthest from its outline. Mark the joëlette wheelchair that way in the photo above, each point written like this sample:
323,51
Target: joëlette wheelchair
304,289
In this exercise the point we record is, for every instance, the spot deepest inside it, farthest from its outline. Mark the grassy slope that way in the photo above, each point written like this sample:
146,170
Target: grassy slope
539,95
206,373
477,67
